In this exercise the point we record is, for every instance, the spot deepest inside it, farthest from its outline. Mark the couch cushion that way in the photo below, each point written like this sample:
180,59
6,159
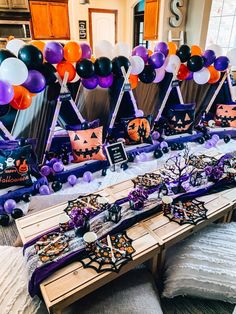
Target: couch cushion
204,265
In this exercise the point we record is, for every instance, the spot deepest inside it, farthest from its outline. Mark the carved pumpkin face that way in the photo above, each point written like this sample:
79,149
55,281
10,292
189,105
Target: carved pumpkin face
226,115
138,130
181,120
87,144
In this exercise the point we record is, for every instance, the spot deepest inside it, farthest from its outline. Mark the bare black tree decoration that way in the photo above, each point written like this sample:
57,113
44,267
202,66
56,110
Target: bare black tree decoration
178,170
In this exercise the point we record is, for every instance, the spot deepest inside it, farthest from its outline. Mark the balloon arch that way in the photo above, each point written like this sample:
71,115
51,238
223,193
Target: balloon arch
25,70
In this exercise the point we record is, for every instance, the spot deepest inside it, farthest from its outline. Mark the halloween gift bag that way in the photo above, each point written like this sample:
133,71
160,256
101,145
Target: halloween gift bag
87,144
226,115
137,130
180,119
15,166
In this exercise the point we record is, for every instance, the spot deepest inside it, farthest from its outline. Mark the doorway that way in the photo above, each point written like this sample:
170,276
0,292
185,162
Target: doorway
102,26
139,25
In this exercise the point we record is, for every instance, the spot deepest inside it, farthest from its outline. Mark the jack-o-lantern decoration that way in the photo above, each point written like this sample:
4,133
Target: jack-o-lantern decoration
226,115
181,120
87,144
138,130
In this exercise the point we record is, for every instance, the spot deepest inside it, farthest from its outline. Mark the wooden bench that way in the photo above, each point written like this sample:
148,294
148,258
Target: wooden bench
151,237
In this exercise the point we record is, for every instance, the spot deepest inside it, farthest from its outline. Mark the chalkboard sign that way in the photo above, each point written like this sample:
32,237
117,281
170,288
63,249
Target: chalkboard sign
82,30
116,153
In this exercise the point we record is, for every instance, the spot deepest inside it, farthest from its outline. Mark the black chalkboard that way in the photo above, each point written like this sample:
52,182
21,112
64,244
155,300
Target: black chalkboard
82,30
116,153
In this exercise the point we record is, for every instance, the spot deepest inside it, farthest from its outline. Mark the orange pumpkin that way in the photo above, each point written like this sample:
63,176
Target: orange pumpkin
87,144
23,168
138,129
226,115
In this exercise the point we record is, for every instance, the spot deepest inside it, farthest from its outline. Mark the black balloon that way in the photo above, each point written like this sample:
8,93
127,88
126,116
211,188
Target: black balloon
17,213
26,197
103,66
4,109
4,220
31,56
4,54
119,62
184,53
195,63
148,75
85,68
48,71
56,186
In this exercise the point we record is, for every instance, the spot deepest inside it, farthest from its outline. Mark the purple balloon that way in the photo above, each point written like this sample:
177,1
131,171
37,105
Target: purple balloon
162,47
9,205
209,144
142,52
163,144
90,83
106,81
88,176
143,157
209,57
45,170
157,60
52,161
86,51
139,113
215,137
221,63
155,135
6,92
35,82
72,179
53,52
190,77
58,166
44,190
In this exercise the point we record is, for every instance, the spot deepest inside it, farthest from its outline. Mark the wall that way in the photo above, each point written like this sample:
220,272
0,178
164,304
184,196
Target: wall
197,22
78,12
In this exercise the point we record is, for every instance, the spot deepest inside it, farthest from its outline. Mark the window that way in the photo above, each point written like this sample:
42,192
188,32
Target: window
139,25
222,24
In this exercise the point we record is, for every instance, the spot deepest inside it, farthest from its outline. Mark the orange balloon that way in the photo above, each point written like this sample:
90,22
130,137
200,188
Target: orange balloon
133,79
150,52
72,51
93,59
172,47
39,44
22,98
196,50
214,75
64,67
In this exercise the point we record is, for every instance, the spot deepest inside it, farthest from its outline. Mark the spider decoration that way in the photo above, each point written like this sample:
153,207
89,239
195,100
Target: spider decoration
51,246
188,212
95,202
101,258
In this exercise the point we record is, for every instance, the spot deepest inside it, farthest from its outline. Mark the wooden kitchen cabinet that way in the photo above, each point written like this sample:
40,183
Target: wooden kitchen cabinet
14,5
19,4
50,20
151,19
4,4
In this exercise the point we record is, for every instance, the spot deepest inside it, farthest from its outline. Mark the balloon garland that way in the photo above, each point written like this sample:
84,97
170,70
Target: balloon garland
27,69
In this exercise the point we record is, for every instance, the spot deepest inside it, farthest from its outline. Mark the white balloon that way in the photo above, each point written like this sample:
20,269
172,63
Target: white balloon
121,49
13,71
104,49
231,54
160,74
14,45
172,64
217,49
137,65
202,76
